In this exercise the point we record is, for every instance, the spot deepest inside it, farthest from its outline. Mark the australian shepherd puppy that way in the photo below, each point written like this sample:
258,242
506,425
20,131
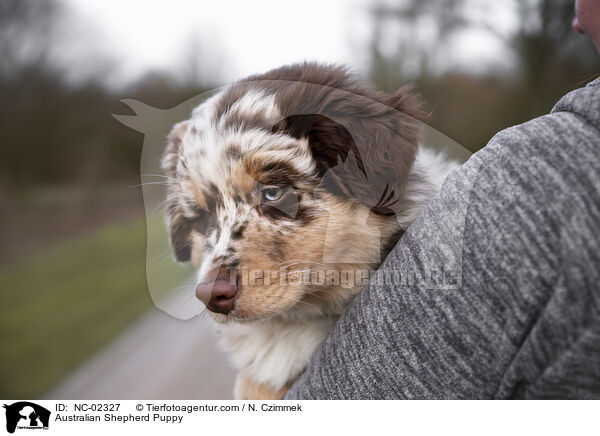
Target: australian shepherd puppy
281,187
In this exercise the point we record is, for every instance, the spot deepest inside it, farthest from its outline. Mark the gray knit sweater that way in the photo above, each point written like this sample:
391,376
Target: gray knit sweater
494,291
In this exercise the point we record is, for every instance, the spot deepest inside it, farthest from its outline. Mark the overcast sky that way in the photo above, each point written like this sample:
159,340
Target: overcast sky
236,38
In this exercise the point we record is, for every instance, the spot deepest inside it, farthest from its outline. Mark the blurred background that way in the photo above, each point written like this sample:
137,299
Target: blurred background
76,319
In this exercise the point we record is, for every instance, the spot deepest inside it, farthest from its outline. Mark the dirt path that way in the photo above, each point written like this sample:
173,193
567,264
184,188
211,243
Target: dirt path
159,357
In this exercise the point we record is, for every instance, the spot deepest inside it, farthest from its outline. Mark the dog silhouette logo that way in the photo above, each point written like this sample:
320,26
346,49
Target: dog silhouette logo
26,415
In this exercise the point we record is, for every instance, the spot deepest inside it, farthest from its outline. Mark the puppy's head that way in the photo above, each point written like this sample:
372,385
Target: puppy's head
297,171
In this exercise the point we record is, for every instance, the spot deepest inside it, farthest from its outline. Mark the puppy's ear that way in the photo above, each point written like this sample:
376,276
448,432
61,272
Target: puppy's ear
376,133
171,154
177,225
179,233
328,141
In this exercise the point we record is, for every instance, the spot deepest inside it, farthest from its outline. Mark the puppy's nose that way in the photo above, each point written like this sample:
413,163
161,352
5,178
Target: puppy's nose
219,296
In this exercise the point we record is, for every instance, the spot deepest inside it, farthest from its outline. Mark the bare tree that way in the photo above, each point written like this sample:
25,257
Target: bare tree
541,43
26,29
411,40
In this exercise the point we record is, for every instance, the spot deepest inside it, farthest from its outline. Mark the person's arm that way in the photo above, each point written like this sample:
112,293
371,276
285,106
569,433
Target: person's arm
493,291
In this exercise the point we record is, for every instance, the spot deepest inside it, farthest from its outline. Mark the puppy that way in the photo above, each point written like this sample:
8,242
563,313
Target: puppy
285,190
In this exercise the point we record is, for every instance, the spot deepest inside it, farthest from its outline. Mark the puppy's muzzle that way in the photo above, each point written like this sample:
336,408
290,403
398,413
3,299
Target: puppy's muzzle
218,295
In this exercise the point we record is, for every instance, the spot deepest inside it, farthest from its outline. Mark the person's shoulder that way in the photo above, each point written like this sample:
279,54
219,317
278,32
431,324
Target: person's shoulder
582,104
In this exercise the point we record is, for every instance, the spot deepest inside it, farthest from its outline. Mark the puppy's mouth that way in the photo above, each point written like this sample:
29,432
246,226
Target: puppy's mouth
220,293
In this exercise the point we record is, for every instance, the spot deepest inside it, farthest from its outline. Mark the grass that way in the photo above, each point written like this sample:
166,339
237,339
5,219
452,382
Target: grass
59,307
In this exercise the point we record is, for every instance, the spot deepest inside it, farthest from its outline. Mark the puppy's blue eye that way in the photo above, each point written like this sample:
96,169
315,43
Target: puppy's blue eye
272,193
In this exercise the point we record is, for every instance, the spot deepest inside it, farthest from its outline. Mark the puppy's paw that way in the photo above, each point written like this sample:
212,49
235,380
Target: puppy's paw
246,389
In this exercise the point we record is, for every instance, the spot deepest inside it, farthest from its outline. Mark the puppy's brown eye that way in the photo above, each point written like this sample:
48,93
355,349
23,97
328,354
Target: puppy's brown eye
272,193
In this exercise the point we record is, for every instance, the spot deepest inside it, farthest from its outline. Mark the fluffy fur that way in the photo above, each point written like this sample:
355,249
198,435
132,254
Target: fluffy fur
345,162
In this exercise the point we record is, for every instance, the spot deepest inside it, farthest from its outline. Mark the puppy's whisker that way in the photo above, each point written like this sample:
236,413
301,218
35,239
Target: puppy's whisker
315,294
161,256
160,175
161,205
304,303
291,262
299,271
281,263
177,288
298,262
163,183
154,175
